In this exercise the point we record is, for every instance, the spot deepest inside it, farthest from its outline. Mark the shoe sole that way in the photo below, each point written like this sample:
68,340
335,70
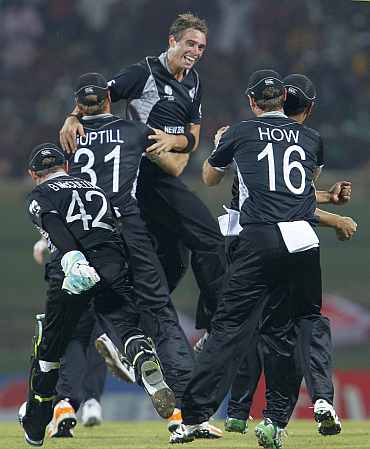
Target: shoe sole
163,398
112,361
64,427
263,439
328,424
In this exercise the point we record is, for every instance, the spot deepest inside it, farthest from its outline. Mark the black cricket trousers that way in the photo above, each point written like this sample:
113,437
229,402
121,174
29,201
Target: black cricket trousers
263,277
168,206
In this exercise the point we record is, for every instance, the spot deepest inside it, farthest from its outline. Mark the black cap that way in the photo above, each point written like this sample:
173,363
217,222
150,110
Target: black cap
301,92
91,84
262,79
45,155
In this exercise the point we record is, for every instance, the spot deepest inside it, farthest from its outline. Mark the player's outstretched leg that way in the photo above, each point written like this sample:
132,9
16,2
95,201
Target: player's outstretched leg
139,362
326,417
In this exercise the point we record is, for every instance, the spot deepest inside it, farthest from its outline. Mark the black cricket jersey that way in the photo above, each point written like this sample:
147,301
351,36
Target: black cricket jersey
109,156
275,158
156,98
83,207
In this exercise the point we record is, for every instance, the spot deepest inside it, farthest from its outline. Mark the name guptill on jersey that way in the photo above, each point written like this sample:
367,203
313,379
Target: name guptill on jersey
105,136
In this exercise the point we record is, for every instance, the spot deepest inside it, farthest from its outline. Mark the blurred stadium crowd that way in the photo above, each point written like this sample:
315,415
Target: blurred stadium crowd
46,44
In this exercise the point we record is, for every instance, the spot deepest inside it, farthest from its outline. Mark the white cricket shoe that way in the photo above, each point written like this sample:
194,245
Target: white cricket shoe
91,413
326,417
116,362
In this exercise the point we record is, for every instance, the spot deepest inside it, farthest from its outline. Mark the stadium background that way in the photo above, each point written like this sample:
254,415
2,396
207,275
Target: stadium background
46,44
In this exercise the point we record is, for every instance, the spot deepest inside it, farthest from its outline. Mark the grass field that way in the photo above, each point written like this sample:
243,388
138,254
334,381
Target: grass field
153,435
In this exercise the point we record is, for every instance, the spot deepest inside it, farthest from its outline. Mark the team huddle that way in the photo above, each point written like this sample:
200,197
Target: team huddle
121,229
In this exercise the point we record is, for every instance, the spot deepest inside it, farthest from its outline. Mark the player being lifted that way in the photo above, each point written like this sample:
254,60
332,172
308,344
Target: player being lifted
165,93
88,262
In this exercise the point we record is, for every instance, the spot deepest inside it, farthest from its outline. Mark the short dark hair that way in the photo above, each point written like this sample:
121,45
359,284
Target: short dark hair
271,100
48,171
93,109
185,22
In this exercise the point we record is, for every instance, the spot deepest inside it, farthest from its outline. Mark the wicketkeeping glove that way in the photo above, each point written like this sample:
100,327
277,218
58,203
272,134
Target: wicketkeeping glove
79,276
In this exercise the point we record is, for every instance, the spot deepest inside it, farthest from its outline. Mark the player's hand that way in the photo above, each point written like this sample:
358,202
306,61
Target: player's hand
67,135
340,192
345,228
163,142
39,249
218,135
79,275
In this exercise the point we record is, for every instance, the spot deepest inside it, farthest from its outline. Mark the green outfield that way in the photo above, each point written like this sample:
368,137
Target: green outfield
153,435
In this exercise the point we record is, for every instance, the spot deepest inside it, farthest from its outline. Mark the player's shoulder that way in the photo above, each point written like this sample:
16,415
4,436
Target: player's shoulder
131,125
139,69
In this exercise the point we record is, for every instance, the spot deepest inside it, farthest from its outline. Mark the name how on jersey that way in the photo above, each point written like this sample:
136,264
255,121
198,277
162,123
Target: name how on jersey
105,136
174,129
278,135
58,185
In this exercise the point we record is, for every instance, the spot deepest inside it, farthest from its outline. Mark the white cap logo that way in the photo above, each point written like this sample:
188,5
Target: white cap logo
89,90
46,152
269,82
292,90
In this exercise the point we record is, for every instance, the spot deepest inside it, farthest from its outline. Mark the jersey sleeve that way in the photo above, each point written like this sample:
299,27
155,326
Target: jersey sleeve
196,110
38,205
129,83
222,156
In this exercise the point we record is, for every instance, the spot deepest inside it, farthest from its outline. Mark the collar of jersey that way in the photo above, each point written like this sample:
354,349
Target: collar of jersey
163,60
273,114
93,117
54,175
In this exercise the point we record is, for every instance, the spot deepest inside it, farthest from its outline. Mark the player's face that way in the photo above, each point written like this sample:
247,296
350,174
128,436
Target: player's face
187,51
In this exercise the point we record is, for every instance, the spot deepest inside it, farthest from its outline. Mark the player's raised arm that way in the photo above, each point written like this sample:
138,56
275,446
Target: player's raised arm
340,193
68,133
215,166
